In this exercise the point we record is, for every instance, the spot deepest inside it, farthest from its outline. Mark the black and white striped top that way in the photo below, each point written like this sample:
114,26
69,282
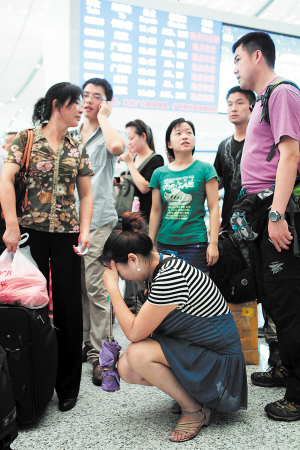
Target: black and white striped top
194,292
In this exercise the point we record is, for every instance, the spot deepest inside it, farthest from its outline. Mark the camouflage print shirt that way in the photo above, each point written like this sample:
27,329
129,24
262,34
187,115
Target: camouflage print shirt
51,181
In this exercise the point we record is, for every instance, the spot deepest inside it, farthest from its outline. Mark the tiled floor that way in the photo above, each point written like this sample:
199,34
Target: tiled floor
138,417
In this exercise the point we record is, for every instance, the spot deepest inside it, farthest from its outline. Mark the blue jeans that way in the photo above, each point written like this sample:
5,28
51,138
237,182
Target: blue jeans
194,254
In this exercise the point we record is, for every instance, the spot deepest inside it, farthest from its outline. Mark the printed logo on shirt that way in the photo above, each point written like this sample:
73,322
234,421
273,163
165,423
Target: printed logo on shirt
178,202
233,164
276,267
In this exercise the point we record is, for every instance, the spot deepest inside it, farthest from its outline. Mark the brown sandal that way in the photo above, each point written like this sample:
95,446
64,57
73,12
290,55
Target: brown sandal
188,429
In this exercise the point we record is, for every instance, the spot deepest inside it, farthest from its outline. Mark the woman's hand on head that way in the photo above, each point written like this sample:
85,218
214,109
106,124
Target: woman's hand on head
212,254
111,275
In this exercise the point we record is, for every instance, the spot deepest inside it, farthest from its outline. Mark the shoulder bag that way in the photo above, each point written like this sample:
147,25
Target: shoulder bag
126,193
21,177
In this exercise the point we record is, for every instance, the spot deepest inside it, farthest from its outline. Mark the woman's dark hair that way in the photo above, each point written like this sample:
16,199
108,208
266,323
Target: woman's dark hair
140,128
171,127
258,40
60,92
132,238
103,83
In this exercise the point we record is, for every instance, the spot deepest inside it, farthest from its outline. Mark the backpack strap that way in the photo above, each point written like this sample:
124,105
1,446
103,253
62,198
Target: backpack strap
264,99
271,153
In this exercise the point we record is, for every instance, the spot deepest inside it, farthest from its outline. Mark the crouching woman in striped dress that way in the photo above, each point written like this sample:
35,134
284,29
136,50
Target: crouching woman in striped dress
184,340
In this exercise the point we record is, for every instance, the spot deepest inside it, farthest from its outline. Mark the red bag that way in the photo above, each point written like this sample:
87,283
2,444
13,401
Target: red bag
21,282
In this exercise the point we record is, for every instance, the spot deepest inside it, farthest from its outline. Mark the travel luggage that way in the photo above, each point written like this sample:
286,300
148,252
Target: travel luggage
8,425
30,343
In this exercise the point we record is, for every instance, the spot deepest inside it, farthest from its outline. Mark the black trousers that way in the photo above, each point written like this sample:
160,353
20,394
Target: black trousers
67,306
278,277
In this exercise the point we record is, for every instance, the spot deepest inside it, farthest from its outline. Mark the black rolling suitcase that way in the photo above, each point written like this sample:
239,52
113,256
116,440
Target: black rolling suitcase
30,343
8,424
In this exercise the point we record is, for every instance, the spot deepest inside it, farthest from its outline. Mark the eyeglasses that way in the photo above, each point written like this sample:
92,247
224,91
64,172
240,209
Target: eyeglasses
97,97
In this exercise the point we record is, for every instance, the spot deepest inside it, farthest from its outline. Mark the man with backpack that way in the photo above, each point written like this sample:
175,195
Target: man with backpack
228,167
277,269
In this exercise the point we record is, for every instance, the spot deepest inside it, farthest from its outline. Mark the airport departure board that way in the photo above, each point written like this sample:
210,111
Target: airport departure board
153,59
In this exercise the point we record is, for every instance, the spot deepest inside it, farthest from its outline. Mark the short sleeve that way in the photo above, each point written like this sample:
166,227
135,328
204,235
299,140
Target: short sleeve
17,148
154,182
217,163
168,288
284,112
85,167
125,137
210,172
154,163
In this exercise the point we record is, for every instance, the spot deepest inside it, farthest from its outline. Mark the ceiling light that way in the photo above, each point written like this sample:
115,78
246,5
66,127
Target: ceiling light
21,109
2,104
13,99
38,66
13,118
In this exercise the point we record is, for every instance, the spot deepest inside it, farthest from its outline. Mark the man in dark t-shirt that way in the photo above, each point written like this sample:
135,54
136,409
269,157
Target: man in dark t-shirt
228,158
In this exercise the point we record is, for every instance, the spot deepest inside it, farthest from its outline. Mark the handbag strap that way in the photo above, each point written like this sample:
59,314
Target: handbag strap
26,159
27,151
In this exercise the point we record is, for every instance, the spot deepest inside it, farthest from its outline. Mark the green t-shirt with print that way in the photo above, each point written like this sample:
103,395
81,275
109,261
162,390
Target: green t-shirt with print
183,194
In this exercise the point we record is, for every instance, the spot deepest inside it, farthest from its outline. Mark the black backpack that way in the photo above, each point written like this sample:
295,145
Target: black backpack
233,273
8,413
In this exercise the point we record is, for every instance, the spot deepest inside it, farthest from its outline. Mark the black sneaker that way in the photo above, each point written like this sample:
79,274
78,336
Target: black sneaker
283,410
274,376
274,353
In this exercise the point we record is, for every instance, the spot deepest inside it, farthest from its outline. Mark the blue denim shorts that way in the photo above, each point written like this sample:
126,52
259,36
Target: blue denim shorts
194,254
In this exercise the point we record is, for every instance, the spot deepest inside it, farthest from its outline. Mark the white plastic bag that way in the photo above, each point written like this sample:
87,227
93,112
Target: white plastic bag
21,282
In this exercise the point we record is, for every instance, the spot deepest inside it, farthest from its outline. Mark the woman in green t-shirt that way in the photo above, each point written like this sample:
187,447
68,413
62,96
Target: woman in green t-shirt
179,191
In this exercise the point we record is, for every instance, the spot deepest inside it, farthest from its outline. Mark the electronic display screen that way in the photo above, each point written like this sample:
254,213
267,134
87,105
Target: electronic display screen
153,59
287,63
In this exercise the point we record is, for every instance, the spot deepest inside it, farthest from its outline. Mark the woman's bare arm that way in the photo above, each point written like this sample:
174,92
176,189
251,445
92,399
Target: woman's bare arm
12,235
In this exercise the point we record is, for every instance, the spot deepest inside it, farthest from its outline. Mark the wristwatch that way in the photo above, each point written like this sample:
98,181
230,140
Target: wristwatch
275,216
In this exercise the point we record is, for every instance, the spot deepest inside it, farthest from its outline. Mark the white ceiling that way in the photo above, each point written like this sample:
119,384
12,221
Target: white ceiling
275,10
22,78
